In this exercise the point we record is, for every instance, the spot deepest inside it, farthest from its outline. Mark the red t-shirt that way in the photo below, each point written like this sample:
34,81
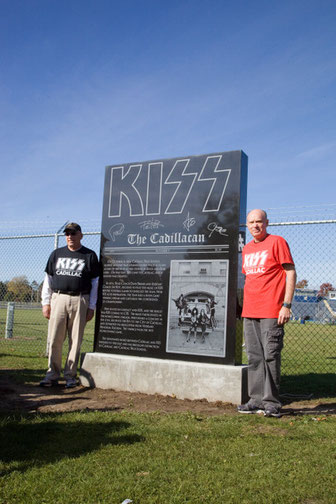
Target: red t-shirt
265,282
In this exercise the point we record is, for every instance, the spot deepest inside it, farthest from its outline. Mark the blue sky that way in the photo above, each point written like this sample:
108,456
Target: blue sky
88,83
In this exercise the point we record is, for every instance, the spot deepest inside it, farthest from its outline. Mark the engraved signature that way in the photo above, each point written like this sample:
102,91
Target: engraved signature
150,224
241,242
116,230
189,222
214,228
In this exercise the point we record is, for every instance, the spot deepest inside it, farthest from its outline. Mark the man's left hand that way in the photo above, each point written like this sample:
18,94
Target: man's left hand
284,315
89,314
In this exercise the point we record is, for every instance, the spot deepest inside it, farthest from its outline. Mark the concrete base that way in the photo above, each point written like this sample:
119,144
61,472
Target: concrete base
184,380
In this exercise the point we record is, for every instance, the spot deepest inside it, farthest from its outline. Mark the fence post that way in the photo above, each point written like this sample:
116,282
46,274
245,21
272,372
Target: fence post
10,320
56,241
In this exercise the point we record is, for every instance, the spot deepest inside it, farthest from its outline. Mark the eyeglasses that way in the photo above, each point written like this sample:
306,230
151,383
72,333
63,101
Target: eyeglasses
70,233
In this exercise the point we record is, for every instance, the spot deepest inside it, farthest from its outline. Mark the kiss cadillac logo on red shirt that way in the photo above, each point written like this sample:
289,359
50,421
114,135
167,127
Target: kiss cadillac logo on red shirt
255,262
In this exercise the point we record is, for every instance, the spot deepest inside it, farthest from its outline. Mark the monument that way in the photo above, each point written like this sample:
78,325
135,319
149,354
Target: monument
171,237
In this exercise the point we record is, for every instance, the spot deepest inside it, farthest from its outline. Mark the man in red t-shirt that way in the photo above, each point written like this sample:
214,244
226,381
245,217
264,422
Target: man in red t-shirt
268,293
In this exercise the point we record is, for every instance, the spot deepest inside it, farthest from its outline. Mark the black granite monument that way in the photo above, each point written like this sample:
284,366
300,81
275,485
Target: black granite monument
172,233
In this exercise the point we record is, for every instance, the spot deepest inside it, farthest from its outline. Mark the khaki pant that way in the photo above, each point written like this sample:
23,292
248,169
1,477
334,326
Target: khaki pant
68,317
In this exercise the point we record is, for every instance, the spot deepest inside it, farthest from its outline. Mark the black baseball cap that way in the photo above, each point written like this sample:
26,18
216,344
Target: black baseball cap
72,226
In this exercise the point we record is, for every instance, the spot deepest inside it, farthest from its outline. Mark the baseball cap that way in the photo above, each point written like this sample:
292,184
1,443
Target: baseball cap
72,226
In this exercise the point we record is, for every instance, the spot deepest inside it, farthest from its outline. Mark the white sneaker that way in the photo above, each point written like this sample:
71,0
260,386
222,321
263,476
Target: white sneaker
272,412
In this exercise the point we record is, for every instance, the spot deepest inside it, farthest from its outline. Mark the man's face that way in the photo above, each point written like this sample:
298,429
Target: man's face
257,225
73,239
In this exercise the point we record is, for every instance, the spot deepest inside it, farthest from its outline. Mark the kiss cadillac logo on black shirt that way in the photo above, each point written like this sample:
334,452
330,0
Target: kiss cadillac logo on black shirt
70,267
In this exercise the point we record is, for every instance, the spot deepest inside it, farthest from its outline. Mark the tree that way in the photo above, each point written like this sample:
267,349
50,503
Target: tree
301,284
325,288
39,292
34,291
3,290
18,289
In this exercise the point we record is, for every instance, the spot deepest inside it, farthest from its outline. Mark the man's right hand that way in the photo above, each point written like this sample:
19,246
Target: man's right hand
46,309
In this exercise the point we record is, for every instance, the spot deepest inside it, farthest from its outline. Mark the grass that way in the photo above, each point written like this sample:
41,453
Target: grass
309,347
27,349
308,357
106,457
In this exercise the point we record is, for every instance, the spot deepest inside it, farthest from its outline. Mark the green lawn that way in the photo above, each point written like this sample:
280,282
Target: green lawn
308,357
309,348
106,457
27,349
308,360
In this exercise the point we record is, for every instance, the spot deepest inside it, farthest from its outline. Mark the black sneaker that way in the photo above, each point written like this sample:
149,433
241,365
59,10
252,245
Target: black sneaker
249,409
71,383
272,412
48,383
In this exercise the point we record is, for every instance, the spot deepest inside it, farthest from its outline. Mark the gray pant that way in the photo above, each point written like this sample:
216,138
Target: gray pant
264,342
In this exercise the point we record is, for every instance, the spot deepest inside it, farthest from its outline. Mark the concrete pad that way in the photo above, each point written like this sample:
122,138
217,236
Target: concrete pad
185,380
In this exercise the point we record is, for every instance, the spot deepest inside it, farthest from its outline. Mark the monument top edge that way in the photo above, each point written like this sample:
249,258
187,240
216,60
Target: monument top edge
237,152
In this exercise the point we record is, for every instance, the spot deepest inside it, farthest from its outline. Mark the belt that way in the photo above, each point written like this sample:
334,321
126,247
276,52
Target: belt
71,293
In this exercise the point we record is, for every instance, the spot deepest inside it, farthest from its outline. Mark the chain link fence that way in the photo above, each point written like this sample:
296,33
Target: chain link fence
310,336
309,351
23,329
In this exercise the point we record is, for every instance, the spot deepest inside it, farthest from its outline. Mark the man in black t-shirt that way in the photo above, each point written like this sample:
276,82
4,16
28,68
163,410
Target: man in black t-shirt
69,297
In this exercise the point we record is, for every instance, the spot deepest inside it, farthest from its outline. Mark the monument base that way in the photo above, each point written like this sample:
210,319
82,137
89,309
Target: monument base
184,380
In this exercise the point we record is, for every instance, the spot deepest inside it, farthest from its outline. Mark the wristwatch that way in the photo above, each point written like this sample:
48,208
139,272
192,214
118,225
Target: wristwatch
287,305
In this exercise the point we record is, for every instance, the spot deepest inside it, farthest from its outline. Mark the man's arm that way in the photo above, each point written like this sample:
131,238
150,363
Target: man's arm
92,299
46,296
284,313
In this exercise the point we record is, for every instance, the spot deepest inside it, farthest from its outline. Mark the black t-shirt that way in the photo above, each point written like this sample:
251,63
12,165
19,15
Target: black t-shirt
72,270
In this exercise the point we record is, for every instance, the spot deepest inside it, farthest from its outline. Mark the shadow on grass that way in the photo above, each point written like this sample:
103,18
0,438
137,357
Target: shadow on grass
322,409
23,375
310,385
37,441
20,392
23,356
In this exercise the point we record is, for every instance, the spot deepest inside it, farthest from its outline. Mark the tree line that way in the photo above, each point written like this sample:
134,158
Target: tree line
20,290
324,290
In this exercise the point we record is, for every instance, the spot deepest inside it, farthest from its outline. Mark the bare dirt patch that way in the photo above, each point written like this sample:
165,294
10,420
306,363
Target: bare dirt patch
30,397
